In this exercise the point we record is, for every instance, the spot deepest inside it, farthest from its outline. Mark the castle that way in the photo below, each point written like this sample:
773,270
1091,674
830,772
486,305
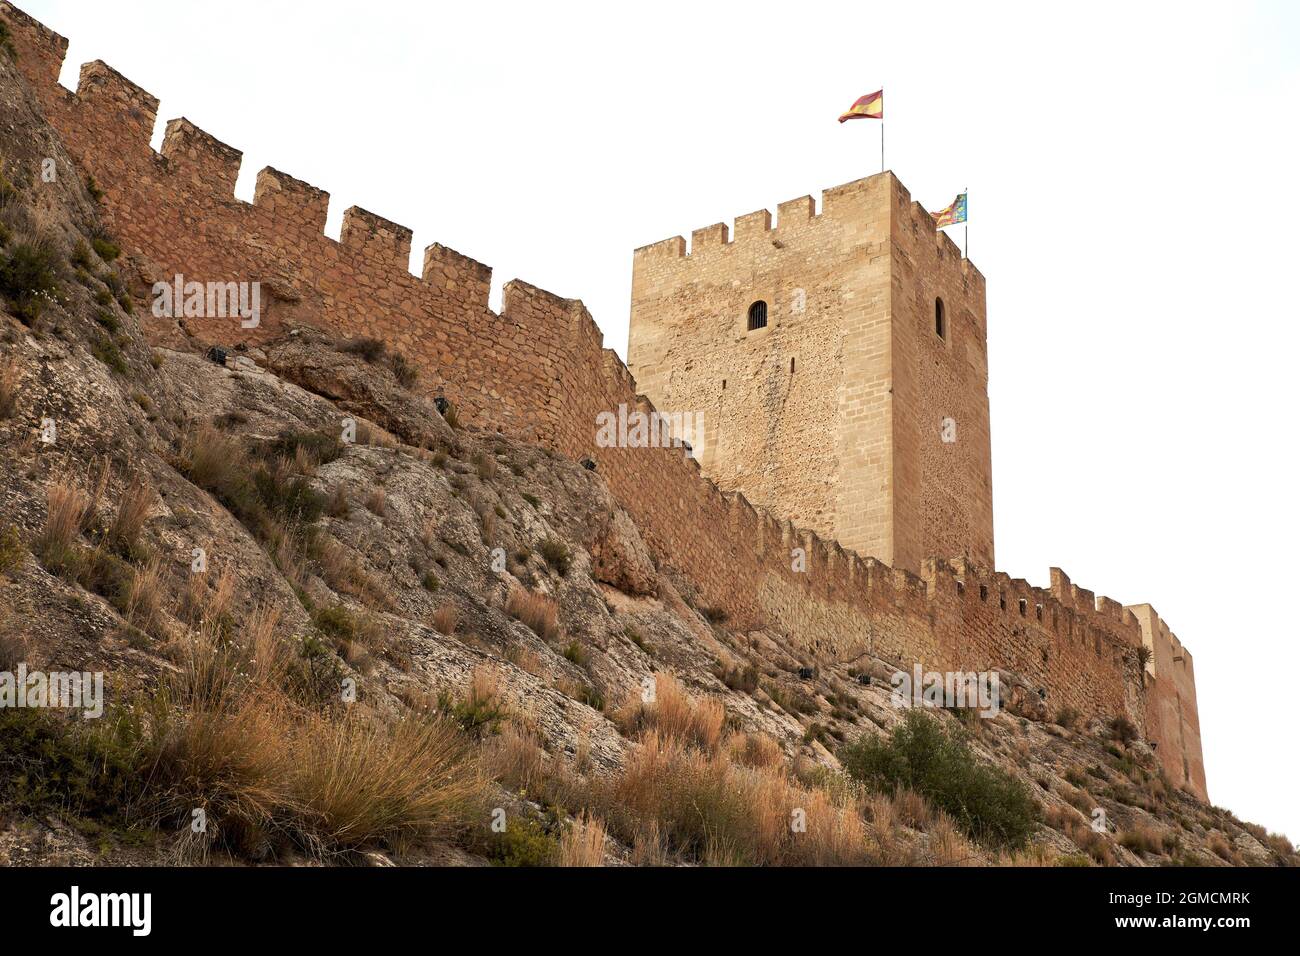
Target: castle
833,412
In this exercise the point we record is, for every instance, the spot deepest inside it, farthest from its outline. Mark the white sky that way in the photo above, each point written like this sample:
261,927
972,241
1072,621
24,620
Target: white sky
1131,182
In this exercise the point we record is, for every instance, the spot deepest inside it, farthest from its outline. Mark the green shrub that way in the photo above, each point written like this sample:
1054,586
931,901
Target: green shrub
476,714
11,549
576,654
29,278
106,250
106,351
55,762
743,679
523,843
988,803
81,256
337,622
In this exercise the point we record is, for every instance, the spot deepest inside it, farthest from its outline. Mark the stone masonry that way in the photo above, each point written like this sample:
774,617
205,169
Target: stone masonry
834,413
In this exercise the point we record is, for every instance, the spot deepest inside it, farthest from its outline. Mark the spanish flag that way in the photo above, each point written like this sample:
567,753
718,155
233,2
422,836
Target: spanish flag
871,106
953,214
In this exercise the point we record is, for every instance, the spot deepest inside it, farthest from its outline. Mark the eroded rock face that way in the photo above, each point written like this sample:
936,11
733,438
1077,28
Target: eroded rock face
620,558
368,388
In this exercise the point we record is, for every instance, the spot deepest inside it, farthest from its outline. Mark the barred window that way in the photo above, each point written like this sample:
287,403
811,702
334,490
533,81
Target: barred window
758,316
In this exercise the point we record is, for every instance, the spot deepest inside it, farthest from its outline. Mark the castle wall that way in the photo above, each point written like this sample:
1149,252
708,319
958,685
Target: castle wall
1171,704
538,370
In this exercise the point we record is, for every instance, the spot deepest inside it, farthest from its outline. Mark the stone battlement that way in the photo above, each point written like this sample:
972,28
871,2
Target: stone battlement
539,370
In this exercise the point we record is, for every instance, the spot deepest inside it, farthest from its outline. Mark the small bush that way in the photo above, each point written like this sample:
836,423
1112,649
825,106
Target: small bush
370,349
1122,729
1067,717
11,549
576,654
106,250
51,763
481,710
106,351
743,679
556,554
989,804
320,447
714,615
29,278
405,373
523,843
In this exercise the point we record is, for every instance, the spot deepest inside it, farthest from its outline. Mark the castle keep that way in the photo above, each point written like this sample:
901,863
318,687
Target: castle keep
840,364
830,420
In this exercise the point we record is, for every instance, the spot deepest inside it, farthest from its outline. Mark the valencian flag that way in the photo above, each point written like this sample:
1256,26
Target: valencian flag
871,106
953,214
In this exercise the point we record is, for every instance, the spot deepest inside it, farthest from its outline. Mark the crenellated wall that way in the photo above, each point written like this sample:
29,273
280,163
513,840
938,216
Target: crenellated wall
834,411
539,370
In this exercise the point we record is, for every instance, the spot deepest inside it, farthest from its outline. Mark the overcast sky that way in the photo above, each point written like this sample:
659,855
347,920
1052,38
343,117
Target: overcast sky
1132,183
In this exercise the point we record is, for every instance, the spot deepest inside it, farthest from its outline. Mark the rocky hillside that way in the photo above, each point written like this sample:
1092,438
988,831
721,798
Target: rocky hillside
337,627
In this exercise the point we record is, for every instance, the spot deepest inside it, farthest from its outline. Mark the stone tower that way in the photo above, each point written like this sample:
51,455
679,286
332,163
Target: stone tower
839,361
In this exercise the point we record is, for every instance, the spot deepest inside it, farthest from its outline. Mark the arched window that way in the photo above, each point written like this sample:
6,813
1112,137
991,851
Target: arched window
758,316
940,320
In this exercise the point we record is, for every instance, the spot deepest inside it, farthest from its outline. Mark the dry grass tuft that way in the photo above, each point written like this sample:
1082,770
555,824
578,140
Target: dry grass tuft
268,772
948,846
673,716
144,597
132,513
710,810
540,613
446,619
755,750
69,508
8,389
515,759
583,843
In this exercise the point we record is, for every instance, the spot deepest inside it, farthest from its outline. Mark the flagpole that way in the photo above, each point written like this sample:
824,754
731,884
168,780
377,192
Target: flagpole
965,191
882,145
